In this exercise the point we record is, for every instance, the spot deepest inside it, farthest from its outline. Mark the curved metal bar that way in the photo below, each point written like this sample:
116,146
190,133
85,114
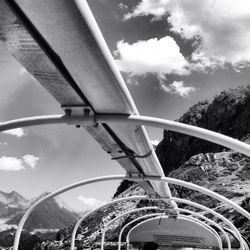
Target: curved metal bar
210,222
188,185
202,133
122,177
209,227
178,200
204,191
246,243
79,222
183,216
42,120
221,217
131,222
120,216
57,192
185,211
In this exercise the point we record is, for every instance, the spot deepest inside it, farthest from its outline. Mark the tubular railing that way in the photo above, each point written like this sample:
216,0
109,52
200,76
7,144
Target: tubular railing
181,216
180,210
138,120
107,178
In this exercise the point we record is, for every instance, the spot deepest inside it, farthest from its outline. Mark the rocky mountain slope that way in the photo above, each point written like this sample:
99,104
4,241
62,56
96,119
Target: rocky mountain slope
227,173
13,199
228,114
50,215
11,204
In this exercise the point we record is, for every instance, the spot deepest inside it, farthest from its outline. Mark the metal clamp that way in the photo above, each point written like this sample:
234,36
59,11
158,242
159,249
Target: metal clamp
83,111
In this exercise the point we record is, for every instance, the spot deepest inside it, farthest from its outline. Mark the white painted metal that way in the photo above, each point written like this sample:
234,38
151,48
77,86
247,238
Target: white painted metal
106,178
76,46
80,46
178,200
179,210
120,216
131,222
110,75
210,222
206,225
181,128
44,120
225,220
198,132
205,134
197,229
79,222
57,192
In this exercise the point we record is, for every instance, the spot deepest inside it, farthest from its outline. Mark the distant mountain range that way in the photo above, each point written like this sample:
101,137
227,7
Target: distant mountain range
52,214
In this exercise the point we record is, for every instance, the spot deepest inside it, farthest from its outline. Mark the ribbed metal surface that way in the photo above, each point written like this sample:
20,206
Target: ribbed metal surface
22,46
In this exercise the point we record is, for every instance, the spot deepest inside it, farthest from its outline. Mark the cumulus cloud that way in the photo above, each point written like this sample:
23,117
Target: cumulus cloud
31,160
178,88
221,26
146,7
18,132
9,163
90,202
151,56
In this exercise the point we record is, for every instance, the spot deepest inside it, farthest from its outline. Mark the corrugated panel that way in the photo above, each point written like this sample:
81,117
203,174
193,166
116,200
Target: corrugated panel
17,40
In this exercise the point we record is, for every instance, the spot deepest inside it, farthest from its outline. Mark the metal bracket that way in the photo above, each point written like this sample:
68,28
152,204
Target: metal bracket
154,196
80,111
77,110
135,175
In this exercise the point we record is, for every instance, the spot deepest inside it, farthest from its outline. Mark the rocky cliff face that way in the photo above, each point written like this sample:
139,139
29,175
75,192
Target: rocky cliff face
227,173
228,114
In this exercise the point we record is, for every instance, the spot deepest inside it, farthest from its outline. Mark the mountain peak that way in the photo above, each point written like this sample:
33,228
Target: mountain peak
13,198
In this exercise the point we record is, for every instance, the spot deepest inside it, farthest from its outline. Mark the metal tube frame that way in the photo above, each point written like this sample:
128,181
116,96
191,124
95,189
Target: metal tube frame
120,216
184,211
209,210
131,222
79,222
123,177
191,130
183,216
178,200
205,225
141,120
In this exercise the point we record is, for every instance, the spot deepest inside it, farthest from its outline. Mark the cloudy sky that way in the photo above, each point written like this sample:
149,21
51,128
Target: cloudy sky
171,53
